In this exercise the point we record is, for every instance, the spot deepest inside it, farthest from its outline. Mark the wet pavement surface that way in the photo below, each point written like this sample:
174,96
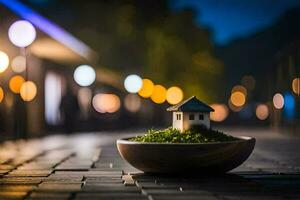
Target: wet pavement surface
88,166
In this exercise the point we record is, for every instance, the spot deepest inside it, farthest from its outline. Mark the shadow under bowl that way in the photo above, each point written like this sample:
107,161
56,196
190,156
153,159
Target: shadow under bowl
200,158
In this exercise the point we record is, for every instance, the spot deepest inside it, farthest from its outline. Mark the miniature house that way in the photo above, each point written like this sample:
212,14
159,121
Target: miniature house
189,113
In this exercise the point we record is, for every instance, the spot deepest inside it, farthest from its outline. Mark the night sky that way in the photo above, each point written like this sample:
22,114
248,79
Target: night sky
231,19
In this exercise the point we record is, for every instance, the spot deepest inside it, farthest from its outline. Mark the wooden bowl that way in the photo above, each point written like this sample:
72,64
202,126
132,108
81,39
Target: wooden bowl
217,157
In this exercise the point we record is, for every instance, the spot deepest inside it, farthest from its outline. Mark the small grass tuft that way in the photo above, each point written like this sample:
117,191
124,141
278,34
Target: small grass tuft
195,135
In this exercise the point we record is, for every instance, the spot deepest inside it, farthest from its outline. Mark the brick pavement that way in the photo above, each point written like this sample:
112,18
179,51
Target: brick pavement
87,166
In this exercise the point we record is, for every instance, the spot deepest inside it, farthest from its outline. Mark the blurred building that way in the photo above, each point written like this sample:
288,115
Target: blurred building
285,80
50,64
271,57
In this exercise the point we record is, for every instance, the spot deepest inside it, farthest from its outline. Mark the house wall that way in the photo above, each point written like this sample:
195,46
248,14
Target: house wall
178,124
187,123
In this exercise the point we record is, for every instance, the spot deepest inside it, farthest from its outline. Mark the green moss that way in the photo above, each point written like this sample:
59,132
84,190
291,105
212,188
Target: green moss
170,135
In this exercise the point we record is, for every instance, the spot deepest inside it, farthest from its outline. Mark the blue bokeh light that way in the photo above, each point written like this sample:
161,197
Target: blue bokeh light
289,105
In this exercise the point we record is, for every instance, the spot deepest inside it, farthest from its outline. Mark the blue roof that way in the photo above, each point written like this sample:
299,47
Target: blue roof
191,105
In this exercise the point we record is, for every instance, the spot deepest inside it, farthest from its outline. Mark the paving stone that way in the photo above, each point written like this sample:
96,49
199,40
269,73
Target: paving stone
62,181
6,167
59,187
4,160
92,173
76,172
95,188
108,196
112,194
17,188
72,168
12,195
103,180
35,166
64,178
100,184
182,197
175,191
3,171
272,197
29,173
20,181
49,195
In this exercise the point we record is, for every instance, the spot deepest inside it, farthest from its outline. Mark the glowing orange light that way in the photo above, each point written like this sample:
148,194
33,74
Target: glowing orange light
233,107
239,88
262,111
220,114
1,94
15,84
159,94
28,91
174,95
132,102
106,103
147,88
296,86
238,99
278,101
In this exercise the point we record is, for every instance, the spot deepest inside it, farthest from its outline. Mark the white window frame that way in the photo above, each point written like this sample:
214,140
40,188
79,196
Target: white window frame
178,116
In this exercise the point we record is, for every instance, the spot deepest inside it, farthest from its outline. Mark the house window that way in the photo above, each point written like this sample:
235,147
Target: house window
191,117
201,117
178,116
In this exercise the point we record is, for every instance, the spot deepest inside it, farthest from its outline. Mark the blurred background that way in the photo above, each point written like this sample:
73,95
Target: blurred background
80,66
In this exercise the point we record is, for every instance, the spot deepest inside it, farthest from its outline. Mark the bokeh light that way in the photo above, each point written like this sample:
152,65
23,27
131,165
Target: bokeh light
106,103
18,64
133,83
84,75
21,33
239,88
289,105
238,98
174,95
249,82
159,94
132,102
147,88
1,94
296,86
233,107
278,101
289,101
4,61
15,83
28,91
220,113
262,111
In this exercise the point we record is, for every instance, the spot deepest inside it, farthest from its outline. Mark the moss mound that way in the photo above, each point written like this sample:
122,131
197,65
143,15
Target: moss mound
196,135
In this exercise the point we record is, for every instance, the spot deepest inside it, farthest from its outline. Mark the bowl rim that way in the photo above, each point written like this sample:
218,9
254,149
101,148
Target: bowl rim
241,139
